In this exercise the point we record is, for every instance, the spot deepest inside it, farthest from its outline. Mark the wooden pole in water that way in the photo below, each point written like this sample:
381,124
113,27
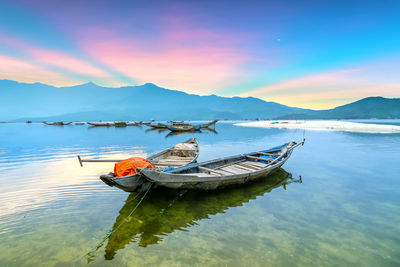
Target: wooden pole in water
97,160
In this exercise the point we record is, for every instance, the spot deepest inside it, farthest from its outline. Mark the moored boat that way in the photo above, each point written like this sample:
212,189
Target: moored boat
100,123
179,155
223,172
158,125
59,123
184,128
120,124
134,123
206,125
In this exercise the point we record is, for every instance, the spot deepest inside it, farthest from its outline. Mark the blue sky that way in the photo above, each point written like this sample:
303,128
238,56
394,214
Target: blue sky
312,54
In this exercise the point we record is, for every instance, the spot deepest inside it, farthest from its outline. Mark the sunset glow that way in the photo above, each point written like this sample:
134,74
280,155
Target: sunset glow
285,52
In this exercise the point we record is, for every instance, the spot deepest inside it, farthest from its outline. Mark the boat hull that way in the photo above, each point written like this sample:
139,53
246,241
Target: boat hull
192,128
134,182
100,124
157,126
127,183
171,181
216,174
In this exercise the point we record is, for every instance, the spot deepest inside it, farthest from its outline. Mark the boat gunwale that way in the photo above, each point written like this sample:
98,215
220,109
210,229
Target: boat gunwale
167,177
115,180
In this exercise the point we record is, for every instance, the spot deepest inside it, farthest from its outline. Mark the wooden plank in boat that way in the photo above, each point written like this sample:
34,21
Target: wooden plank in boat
177,158
248,165
236,170
258,158
211,170
247,168
255,164
232,163
166,162
266,154
228,171
198,174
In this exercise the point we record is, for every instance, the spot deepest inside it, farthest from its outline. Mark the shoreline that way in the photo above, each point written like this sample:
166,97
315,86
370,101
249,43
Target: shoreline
324,125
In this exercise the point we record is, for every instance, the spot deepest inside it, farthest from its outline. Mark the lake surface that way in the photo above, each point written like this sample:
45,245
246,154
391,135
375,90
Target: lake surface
345,209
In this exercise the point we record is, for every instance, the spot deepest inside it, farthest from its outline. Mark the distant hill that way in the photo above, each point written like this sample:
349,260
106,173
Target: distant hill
36,101
366,108
22,101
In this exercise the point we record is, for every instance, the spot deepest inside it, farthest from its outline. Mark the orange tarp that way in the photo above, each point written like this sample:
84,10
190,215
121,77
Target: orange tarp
128,166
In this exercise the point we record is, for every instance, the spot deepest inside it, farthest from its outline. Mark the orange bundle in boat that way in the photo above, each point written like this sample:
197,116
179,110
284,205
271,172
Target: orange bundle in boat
128,166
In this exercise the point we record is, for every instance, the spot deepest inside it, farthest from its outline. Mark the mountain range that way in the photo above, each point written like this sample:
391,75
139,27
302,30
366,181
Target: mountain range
36,101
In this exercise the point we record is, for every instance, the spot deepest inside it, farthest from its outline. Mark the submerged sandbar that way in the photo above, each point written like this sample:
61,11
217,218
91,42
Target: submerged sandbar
324,125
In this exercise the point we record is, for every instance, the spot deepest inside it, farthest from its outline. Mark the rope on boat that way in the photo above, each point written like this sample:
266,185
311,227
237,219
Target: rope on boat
111,232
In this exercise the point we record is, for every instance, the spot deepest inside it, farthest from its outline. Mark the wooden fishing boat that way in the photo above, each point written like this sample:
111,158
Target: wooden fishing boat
223,172
179,155
197,126
207,125
177,122
158,125
100,123
134,123
59,123
120,124
184,128
79,123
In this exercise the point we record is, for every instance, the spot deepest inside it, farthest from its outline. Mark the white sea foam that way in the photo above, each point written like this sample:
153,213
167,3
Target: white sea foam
325,125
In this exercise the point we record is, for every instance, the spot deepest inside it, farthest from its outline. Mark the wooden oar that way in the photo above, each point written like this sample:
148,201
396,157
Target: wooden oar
97,160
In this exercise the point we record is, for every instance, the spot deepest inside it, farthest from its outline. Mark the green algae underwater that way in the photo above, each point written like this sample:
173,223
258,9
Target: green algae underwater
346,211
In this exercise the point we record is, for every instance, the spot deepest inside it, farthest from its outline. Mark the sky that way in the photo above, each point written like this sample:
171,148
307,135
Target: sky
309,54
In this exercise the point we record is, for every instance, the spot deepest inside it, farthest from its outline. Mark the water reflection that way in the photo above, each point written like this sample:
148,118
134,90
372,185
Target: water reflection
159,130
164,211
203,131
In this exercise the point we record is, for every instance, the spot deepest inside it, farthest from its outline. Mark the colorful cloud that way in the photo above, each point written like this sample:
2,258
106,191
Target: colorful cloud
281,51
329,89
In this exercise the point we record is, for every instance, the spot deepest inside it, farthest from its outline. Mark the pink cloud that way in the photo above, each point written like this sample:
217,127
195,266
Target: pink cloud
51,58
199,68
327,90
20,70
67,62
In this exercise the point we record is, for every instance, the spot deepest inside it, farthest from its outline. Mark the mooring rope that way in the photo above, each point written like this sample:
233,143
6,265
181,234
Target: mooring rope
111,232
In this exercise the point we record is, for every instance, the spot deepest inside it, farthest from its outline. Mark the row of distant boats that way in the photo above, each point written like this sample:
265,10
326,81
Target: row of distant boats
175,126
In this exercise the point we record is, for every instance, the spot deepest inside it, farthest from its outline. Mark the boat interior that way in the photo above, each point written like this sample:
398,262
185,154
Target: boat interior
236,165
179,155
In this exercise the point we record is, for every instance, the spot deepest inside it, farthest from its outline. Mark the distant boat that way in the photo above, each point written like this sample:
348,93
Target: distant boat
158,125
120,124
181,126
106,124
207,125
176,122
28,121
79,123
184,128
179,155
223,172
134,123
59,123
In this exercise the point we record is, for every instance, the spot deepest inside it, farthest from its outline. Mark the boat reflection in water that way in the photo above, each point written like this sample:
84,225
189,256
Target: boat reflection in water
159,130
164,211
202,131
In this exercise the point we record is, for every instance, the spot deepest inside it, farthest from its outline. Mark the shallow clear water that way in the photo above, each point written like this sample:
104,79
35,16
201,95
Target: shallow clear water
346,210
